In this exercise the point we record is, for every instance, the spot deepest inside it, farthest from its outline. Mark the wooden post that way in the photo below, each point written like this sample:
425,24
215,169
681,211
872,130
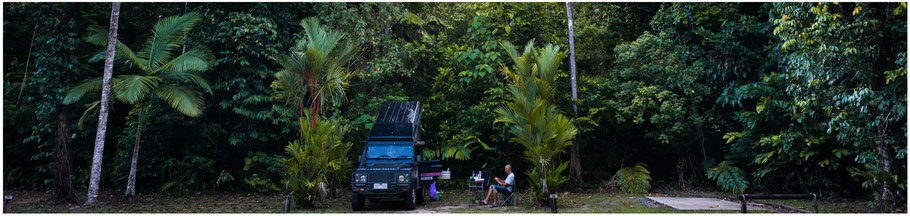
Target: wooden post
553,203
814,203
287,204
742,202
6,201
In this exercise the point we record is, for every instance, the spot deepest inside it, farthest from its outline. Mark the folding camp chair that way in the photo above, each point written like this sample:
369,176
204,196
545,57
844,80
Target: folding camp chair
512,198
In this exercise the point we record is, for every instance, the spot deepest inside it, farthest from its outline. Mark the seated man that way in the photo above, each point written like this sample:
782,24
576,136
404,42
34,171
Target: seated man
504,187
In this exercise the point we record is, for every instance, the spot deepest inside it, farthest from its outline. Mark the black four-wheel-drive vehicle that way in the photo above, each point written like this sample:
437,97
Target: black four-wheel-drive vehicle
391,165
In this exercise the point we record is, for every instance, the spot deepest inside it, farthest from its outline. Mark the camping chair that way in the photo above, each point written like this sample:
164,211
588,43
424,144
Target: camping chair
510,199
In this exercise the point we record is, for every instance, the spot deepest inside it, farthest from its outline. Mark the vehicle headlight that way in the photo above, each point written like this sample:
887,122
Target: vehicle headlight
360,178
403,178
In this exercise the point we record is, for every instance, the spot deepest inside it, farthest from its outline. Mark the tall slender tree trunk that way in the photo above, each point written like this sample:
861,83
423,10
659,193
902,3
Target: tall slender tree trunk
131,182
63,175
574,155
885,163
98,155
28,58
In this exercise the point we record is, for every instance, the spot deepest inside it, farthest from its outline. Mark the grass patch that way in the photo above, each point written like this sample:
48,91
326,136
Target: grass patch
828,206
452,201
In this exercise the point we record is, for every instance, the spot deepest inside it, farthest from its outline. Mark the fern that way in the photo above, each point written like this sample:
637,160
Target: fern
870,177
728,177
223,178
634,179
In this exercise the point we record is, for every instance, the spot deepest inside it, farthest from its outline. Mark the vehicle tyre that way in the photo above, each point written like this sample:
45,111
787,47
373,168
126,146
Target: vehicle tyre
419,194
357,201
410,200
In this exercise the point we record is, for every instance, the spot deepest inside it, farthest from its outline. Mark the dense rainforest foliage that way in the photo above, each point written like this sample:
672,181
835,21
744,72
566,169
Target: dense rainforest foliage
739,97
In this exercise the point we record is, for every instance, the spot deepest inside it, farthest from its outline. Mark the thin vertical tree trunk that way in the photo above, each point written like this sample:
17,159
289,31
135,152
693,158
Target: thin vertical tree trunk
885,161
98,155
28,58
574,156
63,175
131,182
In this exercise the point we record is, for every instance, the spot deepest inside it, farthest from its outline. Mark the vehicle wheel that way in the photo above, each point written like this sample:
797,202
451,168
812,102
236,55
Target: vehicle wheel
357,201
410,200
419,194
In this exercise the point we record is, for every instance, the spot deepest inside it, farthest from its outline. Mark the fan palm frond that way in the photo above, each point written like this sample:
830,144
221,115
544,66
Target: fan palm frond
289,86
293,62
332,84
316,63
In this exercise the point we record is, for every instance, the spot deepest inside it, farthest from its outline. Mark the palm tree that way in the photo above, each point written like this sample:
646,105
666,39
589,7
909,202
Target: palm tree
319,157
170,78
98,154
316,66
534,120
313,72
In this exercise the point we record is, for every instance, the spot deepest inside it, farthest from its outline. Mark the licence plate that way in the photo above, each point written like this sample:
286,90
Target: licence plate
426,178
381,186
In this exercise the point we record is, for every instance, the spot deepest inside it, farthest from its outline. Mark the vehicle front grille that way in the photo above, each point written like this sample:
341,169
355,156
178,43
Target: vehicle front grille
381,177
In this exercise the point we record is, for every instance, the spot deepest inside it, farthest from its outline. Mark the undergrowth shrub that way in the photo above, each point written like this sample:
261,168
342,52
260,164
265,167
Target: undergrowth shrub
730,178
634,179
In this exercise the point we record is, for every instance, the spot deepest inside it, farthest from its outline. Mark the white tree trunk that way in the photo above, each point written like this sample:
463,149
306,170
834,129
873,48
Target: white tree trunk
574,155
98,154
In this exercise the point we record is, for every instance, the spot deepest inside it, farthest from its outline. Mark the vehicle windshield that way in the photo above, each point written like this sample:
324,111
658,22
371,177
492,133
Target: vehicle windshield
389,151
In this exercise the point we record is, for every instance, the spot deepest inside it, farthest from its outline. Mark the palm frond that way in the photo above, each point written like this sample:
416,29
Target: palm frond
332,84
412,18
290,87
84,87
124,54
133,88
548,62
91,110
730,178
315,63
634,179
190,76
185,100
168,36
293,62
196,59
346,53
